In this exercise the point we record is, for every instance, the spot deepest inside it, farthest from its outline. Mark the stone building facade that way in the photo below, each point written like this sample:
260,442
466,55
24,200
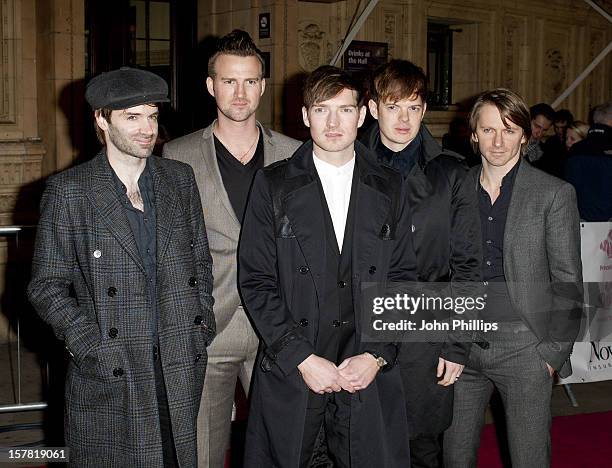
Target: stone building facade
536,47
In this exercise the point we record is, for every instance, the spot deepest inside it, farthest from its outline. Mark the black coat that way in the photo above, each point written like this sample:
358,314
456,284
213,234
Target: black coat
445,223
281,274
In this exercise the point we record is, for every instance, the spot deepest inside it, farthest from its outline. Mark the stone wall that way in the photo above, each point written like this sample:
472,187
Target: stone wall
534,47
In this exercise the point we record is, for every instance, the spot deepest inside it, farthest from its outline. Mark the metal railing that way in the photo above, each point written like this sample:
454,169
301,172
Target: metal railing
19,405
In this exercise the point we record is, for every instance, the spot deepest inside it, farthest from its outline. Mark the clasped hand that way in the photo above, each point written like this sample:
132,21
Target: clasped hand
323,376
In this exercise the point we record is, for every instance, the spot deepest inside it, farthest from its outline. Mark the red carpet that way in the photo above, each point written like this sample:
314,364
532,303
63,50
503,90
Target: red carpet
583,440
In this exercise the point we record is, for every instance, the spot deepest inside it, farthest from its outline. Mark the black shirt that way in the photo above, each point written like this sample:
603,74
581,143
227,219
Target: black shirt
403,160
143,226
237,177
493,224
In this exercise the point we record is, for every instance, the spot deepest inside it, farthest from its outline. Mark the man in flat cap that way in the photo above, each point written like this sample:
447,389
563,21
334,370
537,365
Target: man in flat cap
123,273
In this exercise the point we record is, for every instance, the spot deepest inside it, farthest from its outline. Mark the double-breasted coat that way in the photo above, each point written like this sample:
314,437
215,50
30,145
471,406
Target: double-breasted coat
281,276
89,283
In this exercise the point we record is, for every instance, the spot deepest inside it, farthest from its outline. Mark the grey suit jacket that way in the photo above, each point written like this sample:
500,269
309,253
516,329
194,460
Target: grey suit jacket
89,283
222,225
542,261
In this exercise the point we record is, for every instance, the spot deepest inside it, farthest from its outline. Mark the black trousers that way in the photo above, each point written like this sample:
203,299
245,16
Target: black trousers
165,427
334,416
426,452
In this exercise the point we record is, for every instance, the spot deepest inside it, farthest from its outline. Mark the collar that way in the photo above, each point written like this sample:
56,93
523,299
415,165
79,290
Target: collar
326,169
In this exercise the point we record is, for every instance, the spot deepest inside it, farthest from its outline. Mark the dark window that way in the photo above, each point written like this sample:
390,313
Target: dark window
439,64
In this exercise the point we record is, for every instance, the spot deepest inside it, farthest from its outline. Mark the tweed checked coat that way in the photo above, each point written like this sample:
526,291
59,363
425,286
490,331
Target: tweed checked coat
88,282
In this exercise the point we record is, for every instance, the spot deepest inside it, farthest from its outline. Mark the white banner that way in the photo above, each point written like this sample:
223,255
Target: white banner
592,355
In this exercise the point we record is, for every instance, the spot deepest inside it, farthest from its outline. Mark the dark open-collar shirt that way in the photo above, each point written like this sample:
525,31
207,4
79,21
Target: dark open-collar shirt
493,224
143,224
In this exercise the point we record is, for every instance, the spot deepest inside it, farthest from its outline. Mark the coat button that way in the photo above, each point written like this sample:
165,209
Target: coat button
336,323
117,371
112,291
304,269
341,284
198,357
372,270
385,229
97,254
303,323
113,332
191,244
193,281
197,320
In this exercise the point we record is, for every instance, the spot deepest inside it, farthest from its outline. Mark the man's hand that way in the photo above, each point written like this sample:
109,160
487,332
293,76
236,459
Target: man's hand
359,371
551,370
321,375
450,370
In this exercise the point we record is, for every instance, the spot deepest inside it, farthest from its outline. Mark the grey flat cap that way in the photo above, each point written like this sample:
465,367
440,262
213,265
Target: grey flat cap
126,87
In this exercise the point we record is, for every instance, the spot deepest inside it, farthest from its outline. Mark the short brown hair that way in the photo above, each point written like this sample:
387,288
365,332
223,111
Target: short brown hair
326,82
237,43
397,80
106,114
511,108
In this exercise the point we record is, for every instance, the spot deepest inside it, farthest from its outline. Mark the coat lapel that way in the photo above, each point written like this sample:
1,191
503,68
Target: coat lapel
166,204
305,212
371,210
103,195
209,156
514,220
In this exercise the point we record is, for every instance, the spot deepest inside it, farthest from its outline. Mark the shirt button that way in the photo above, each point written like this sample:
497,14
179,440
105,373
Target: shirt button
341,284
193,281
146,219
490,218
489,262
304,269
148,250
303,323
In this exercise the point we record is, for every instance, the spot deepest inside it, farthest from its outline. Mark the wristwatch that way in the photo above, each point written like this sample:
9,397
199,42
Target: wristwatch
380,361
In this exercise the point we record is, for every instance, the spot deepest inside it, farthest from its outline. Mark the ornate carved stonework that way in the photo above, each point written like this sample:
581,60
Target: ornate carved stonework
7,61
554,73
313,46
390,28
20,172
511,49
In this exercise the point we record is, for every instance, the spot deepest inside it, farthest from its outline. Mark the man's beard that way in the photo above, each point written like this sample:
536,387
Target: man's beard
129,147
237,115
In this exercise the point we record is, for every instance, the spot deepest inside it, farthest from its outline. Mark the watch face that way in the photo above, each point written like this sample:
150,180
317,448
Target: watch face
381,361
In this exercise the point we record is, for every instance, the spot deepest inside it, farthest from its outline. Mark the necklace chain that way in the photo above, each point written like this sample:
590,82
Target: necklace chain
243,157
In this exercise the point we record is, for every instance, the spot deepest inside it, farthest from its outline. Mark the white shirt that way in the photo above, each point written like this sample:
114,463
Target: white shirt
336,182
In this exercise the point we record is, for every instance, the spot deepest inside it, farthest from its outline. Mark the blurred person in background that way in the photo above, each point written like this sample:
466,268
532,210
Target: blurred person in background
576,132
589,167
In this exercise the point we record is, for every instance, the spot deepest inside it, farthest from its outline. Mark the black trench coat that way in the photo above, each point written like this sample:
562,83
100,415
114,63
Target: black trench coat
446,227
281,265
